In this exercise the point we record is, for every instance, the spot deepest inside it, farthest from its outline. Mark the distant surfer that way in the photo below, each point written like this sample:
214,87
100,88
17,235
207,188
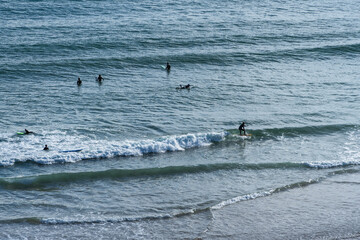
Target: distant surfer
100,78
168,67
27,131
242,128
46,148
185,87
79,82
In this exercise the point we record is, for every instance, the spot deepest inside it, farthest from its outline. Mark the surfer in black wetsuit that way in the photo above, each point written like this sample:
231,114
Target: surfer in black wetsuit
100,78
79,82
46,148
184,87
242,128
168,67
27,131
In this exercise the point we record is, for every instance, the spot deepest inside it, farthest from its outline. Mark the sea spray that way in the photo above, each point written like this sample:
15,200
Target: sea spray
26,150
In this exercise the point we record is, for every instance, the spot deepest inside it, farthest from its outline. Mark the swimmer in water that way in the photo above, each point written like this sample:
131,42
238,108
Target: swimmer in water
79,82
100,78
168,67
46,148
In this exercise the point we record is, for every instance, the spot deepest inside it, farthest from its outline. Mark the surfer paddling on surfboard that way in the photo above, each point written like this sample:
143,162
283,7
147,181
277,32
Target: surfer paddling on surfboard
242,128
184,87
27,131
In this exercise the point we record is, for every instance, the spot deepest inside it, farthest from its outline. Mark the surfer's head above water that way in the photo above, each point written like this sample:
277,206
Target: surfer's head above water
27,131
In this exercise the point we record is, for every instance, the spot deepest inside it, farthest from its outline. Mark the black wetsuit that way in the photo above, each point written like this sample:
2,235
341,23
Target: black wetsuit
242,128
27,132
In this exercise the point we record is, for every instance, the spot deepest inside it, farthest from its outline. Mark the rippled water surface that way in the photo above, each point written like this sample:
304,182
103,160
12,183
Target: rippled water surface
158,162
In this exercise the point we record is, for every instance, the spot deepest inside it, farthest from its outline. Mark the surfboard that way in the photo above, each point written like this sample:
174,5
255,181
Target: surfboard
183,88
246,135
20,133
76,150
163,67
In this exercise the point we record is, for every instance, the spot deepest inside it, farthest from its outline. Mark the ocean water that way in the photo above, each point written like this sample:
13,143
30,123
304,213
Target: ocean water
158,162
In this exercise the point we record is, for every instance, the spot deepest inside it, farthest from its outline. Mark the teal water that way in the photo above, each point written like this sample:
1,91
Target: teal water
159,162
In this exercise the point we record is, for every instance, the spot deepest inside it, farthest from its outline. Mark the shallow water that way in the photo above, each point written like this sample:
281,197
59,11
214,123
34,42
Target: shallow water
153,156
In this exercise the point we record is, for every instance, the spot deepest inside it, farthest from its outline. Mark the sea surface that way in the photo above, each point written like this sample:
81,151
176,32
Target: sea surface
159,162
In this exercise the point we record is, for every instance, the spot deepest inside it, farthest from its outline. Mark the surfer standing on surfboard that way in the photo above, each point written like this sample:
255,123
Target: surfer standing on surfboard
242,128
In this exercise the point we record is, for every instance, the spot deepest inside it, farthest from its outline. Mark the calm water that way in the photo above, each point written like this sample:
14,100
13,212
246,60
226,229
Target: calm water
162,163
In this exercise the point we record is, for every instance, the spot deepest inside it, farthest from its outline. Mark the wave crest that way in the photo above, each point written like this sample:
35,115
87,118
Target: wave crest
94,149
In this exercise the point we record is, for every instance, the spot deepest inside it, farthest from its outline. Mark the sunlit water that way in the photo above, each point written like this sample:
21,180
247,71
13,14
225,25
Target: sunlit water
158,162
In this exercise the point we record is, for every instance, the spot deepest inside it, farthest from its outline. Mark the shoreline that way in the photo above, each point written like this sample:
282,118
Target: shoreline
326,210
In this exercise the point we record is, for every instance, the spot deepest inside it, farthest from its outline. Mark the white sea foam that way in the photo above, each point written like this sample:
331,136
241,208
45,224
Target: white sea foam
96,219
29,148
331,164
350,155
241,198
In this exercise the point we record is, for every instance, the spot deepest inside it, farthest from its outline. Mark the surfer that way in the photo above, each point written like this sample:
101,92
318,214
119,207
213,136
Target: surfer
46,148
168,67
242,128
27,131
184,87
79,82
100,78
